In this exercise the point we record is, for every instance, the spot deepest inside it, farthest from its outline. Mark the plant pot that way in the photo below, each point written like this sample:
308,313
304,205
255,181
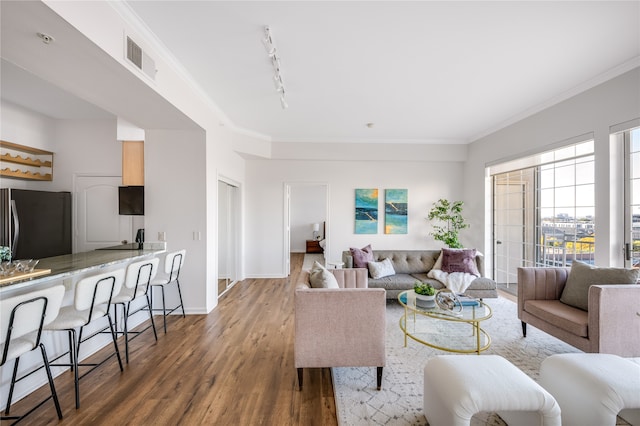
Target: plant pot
423,301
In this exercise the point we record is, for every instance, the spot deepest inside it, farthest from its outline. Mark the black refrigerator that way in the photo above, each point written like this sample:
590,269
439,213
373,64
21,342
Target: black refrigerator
35,224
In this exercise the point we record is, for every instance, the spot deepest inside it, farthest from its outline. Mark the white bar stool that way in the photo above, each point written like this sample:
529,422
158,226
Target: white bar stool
21,321
172,264
91,302
136,286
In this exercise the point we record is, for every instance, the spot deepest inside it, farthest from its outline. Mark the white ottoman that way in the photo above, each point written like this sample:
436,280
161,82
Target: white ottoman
458,386
593,388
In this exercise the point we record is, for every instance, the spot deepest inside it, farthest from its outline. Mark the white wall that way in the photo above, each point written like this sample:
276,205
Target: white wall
308,206
426,181
85,147
596,110
79,146
176,200
25,127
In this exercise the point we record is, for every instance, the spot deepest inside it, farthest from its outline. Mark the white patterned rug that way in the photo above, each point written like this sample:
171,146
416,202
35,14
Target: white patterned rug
400,400
309,258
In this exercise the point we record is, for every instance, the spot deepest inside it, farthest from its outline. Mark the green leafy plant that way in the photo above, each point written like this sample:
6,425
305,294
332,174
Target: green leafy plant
5,253
424,289
449,222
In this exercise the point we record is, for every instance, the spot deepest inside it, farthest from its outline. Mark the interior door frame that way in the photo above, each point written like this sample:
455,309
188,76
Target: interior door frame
237,236
286,261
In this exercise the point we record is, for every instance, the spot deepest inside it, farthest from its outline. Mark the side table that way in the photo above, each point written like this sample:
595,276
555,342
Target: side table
313,246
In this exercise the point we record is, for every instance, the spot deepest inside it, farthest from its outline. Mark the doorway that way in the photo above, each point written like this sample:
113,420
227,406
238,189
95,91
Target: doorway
228,234
306,205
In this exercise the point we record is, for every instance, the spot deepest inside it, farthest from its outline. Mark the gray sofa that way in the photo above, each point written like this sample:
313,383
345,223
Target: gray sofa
413,265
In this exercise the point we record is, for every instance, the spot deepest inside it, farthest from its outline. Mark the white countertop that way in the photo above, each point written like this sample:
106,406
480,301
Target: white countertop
68,265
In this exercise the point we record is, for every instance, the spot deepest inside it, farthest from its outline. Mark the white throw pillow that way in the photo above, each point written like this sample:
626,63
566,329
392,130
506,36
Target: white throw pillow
321,277
381,269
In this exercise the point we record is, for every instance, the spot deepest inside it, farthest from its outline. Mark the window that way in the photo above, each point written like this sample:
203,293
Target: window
543,210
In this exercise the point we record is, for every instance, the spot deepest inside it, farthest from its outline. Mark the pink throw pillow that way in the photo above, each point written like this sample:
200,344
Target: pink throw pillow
362,256
460,260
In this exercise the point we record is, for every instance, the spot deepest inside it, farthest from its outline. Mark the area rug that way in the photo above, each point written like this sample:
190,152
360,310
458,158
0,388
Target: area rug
400,400
309,258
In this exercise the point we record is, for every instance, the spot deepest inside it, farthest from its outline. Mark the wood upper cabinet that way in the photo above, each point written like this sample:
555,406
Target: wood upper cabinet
132,163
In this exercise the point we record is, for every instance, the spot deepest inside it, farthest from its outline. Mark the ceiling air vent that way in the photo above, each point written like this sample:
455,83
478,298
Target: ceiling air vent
140,59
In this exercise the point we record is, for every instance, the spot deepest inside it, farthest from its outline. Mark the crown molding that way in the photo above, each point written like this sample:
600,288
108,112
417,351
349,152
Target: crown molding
576,90
373,141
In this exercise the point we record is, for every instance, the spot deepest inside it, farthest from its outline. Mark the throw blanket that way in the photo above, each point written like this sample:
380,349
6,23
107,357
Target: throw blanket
458,282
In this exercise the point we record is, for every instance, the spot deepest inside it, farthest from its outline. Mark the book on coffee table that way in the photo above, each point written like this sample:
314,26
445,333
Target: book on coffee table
468,301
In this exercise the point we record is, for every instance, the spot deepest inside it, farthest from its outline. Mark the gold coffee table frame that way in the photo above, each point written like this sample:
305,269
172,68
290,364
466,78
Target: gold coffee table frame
472,315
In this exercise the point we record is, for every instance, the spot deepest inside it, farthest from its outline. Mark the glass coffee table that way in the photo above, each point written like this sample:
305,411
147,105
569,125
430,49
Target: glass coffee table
449,331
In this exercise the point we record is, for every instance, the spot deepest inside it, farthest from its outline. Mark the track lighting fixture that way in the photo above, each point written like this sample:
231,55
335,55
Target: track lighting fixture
275,63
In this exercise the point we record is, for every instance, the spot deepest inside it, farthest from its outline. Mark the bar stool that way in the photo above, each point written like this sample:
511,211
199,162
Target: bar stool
136,285
172,264
21,321
91,302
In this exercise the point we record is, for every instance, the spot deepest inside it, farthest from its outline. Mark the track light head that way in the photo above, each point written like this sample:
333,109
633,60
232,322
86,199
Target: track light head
275,63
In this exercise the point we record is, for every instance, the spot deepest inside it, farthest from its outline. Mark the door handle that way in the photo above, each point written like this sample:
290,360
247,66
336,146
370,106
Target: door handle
498,242
16,227
627,251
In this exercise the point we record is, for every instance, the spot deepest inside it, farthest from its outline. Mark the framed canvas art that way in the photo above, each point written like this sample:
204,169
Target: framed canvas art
395,211
366,213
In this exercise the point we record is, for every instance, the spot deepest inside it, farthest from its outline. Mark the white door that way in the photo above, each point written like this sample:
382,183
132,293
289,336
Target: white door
509,229
97,222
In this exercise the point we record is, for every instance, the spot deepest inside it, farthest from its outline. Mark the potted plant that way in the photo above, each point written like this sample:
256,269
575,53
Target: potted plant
425,294
5,253
449,216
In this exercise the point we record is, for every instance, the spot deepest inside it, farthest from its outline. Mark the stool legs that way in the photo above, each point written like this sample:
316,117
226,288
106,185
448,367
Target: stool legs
164,303
54,394
126,308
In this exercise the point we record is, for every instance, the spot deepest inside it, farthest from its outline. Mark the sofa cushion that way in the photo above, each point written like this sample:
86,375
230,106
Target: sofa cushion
362,256
570,319
393,282
459,260
320,277
381,269
408,261
583,276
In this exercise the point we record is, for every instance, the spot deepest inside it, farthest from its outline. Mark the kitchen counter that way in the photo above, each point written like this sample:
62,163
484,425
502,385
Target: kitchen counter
68,265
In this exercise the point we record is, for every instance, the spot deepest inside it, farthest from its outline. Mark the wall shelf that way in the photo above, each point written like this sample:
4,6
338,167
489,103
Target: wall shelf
34,163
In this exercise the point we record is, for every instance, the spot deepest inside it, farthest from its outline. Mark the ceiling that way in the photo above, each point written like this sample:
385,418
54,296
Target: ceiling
27,90
420,71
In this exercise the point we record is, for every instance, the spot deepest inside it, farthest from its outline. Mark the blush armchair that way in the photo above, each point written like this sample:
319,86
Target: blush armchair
340,327
609,325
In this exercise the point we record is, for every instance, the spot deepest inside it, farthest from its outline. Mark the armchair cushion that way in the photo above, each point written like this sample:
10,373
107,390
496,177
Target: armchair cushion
583,276
573,320
320,277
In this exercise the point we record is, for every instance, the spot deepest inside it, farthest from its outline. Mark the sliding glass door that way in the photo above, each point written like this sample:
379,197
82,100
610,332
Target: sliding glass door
632,197
543,210
512,201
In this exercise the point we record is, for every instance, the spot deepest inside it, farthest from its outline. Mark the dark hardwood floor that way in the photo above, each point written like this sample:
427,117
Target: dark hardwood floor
231,367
